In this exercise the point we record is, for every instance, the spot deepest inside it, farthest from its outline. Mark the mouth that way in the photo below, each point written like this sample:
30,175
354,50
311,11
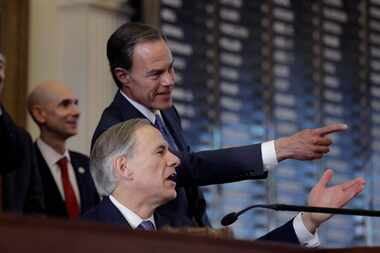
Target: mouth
172,177
165,93
72,123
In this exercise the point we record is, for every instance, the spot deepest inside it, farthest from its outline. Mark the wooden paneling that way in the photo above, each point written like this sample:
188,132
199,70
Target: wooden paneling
24,234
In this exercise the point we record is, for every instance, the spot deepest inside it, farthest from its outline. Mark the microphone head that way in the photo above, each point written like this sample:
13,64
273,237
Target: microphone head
229,219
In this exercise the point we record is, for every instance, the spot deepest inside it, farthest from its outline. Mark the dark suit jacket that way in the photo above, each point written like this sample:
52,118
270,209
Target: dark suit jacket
106,212
199,168
21,182
55,205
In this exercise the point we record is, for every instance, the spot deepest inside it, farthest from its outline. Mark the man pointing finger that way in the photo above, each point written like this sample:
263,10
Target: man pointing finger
308,144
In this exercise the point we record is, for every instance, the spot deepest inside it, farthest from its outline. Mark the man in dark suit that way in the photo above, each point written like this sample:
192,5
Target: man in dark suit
67,183
20,183
133,166
142,67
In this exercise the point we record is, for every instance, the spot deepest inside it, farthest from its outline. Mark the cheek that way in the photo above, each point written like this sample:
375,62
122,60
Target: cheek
174,77
153,91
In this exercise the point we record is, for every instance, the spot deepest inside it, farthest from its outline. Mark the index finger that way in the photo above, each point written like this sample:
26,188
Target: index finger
326,177
330,129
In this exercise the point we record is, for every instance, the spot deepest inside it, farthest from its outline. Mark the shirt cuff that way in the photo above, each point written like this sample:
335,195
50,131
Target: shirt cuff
305,238
268,153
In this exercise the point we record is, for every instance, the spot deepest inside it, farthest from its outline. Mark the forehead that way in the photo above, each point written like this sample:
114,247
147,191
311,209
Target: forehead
148,137
59,95
151,52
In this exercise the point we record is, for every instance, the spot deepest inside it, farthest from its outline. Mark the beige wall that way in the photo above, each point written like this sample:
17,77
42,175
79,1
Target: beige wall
67,43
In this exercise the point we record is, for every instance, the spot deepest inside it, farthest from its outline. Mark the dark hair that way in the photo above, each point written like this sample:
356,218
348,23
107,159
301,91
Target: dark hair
122,42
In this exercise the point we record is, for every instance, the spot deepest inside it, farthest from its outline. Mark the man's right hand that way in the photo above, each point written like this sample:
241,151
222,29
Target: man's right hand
308,144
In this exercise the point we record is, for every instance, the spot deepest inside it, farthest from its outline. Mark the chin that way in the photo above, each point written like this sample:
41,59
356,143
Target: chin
162,105
168,197
70,134
172,195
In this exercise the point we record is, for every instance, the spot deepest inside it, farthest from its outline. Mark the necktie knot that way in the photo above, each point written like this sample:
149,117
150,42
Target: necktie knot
146,225
62,163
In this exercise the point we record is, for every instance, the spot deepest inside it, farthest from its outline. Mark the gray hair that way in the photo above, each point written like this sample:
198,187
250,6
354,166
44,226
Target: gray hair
116,141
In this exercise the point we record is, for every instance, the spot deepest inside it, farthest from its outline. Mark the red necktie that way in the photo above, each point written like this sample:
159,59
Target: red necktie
70,199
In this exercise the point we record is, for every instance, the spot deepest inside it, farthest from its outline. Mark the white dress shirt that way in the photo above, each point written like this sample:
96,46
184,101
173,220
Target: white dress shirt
133,219
51,158
270,162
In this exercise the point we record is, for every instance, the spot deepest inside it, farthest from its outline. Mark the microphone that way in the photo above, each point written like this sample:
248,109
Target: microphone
232,217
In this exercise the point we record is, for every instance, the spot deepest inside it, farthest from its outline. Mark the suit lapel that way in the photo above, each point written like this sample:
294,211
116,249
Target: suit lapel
111,214
81,179
53,198
127,110
174,130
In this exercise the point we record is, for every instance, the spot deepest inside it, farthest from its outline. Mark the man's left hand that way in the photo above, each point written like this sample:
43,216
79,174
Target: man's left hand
334,197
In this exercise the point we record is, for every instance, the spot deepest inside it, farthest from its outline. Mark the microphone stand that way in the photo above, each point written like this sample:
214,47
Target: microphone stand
232,217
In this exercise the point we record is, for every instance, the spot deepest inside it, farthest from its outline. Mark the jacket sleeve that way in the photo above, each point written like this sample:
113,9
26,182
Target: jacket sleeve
220,166
10,143
284,233
216,166
22,185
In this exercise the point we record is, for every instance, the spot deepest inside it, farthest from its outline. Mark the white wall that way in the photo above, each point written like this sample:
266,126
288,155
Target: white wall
67,43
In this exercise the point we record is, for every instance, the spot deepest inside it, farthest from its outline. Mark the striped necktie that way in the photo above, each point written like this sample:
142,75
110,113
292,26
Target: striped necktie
146,225
159,124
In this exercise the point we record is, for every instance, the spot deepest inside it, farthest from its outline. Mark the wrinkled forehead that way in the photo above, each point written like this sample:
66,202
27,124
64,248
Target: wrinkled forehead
148,137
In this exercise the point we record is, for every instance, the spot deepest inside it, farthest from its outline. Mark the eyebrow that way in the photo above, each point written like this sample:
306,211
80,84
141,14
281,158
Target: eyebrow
155,71
161,146
69,100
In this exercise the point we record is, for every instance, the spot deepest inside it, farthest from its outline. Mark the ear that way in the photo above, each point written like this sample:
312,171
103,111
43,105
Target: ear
122,75
120,165
38,114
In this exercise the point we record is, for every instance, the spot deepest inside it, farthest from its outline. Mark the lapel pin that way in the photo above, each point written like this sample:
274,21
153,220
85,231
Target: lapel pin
81,170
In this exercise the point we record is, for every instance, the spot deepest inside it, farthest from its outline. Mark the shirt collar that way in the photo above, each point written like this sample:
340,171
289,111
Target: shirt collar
50,155
133,219
151,116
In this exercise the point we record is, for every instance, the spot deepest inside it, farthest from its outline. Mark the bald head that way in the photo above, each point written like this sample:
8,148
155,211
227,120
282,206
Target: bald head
46,92
54,108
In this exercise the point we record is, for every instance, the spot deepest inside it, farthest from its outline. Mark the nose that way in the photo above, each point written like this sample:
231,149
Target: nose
173,160
75,110
168,78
